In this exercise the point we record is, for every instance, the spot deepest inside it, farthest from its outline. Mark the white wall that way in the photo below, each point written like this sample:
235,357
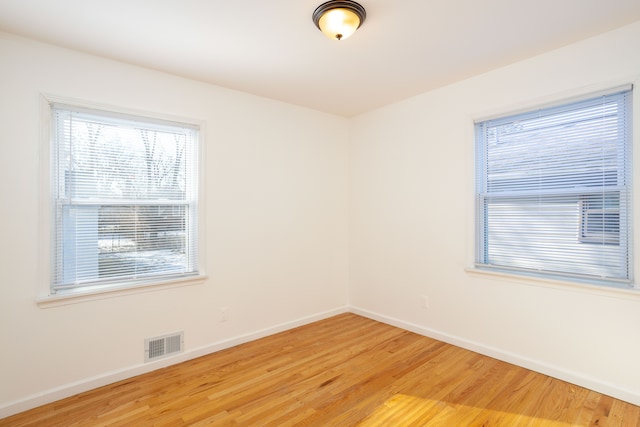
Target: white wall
411,225
276,225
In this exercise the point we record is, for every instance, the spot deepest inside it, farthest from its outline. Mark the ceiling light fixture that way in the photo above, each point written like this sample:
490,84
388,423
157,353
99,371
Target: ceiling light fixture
339,19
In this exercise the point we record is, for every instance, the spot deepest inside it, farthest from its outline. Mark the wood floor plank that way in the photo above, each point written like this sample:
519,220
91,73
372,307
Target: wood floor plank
343,371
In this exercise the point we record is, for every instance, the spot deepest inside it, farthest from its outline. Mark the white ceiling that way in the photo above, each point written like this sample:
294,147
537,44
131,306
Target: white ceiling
271,48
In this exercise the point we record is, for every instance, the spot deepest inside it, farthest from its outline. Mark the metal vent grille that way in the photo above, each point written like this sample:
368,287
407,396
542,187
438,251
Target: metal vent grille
163,346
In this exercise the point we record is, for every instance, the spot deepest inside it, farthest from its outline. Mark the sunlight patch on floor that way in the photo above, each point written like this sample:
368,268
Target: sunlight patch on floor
403,410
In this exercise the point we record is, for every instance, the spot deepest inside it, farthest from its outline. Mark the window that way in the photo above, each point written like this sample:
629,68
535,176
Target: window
600,219
553,191
124,199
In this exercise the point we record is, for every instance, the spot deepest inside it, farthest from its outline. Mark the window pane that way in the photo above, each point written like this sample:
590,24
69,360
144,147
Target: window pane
121,161
543,235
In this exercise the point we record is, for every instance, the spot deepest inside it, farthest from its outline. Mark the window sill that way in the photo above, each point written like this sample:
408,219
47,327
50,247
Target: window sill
74,297
602,290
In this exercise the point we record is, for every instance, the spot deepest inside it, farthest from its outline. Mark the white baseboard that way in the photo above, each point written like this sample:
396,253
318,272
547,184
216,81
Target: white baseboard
87,384
505,356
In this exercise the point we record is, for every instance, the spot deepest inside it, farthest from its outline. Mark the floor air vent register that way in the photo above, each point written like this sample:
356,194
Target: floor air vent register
163,346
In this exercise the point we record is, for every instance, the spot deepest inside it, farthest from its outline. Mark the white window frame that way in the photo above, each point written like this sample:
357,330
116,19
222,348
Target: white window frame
46,296
532,277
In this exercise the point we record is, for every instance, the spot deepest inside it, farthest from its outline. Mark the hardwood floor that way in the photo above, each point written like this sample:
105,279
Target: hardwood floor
342,371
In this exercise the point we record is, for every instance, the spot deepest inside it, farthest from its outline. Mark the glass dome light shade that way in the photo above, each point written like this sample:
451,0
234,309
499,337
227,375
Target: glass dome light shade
338,24
339,19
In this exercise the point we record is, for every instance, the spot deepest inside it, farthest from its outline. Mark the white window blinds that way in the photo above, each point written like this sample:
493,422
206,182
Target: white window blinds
553,191
124,199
